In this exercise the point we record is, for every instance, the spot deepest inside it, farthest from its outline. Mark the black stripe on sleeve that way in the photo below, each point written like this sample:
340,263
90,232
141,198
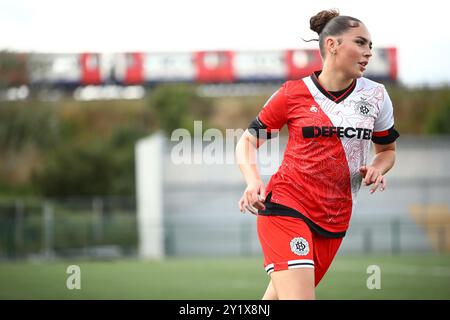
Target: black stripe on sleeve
391,136
259,130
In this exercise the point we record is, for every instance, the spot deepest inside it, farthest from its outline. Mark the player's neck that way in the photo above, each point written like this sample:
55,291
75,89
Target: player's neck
333,80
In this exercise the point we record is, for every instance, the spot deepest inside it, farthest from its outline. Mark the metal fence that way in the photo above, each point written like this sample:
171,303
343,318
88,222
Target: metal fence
98,227
203,220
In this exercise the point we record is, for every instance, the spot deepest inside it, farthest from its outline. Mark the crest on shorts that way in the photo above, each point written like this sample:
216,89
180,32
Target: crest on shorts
300,246
364,108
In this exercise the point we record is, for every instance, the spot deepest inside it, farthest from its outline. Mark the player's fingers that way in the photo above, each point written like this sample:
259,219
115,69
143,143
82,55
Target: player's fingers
261,198
245,203
241,205
254,198
248,197
256,203
383,184
262,193
363,171
259,205
377,182
372,176
252,209
368,178
249,200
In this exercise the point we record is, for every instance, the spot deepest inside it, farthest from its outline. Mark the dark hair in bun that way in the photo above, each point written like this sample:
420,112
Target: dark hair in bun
330,23
318,22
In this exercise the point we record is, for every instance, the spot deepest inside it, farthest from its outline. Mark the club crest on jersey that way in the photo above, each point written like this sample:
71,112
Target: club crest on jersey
300,246
364,108
313,108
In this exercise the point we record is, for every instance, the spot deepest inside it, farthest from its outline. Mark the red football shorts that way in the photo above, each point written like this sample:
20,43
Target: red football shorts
289,243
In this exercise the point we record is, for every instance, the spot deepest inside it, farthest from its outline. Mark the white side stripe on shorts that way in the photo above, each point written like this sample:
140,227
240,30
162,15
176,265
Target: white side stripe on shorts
303,263
269,268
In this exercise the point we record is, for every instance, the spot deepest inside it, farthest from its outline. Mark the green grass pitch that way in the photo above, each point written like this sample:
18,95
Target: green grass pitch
402,277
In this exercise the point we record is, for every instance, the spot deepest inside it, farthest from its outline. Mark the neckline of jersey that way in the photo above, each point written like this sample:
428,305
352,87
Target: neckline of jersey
326,93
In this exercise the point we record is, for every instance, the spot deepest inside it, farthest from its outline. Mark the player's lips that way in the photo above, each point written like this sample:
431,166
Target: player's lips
363,65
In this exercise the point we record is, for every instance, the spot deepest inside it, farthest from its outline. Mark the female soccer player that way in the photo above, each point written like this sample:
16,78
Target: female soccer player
332,115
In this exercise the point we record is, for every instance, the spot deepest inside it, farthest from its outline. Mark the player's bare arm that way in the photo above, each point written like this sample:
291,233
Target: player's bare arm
383,161
253,196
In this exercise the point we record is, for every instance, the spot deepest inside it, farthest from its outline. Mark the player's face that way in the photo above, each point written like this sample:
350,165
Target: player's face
354,52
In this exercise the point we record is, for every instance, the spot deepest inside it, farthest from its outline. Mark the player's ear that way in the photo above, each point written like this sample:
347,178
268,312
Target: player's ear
331,43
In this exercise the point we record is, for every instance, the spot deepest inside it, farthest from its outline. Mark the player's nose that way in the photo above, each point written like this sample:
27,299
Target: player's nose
368,53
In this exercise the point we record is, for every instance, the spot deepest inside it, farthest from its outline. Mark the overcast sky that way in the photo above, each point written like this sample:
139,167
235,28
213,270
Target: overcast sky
419,29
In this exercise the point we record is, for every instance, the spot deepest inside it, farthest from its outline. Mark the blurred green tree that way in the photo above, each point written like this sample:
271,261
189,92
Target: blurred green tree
22,124
123,141
438,122
77,170
178,106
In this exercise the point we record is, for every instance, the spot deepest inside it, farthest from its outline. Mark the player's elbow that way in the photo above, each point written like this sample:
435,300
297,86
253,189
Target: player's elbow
385,147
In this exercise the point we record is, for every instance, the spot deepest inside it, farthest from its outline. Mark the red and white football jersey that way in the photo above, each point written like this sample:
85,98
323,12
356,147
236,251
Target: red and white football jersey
329,140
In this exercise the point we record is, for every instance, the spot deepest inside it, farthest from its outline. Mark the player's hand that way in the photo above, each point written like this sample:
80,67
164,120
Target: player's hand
253,197
372,176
